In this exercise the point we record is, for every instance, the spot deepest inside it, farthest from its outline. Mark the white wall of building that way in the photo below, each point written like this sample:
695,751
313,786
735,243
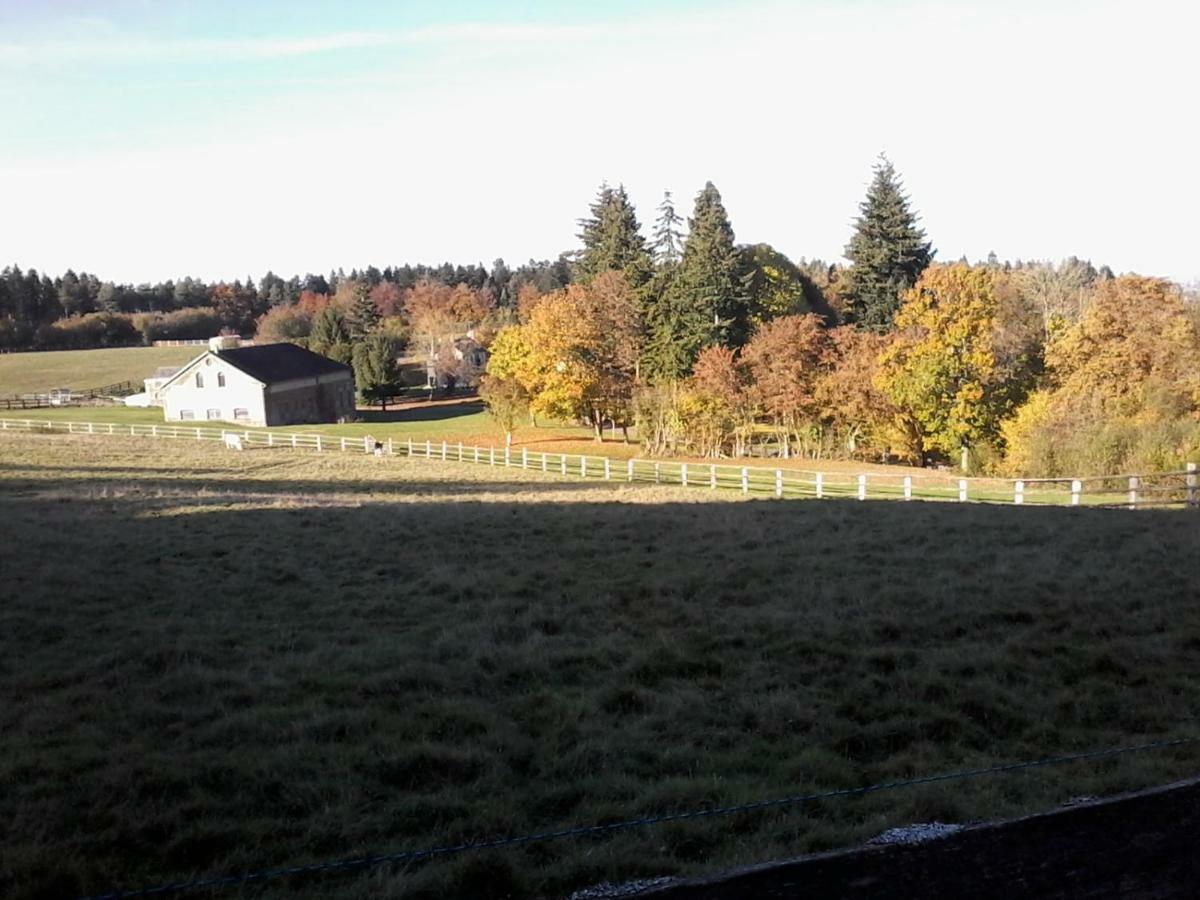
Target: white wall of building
210,390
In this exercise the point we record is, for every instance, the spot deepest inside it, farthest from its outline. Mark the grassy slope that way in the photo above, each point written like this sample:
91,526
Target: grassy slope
22,373
218,662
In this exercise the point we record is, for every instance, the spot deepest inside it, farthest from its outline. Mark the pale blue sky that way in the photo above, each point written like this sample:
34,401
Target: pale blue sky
150,139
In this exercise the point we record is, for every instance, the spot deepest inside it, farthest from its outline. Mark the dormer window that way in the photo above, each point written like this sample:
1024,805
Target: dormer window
220,379
199,380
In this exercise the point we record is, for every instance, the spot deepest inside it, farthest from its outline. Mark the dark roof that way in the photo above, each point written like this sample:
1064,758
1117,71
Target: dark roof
280,362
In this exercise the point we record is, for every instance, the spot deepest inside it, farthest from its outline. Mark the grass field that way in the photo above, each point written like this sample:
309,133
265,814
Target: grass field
32,373
219,662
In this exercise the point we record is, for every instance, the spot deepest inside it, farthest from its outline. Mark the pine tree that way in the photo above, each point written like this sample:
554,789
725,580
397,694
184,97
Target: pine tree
888,252
375,370
363,316
612,239
668,233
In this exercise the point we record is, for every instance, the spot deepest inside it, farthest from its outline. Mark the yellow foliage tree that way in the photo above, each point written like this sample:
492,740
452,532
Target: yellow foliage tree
576,352
955,370
1123,391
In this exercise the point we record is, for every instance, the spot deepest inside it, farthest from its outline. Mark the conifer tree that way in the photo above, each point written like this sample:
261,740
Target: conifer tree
612,239
363,316
887,252
705,302
668,233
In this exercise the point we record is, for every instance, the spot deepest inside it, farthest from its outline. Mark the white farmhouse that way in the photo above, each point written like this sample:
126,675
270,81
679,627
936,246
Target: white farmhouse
269,384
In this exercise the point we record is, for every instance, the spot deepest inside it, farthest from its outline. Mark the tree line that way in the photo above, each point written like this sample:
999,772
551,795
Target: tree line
712,348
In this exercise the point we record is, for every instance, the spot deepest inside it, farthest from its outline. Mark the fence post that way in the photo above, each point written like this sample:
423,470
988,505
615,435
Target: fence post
391,449
410,447
270,439
862,487
197,432
460,449
293,440
343,444
629,471
657,472
1133,491
154,431
507,455
778,482
683,474
607,469
820,485
1076,490
428,449
745,480
131,431
583,467
712,477
1193,496
443,451
110,429
90,428
562,462
1019,493
318,443
524,457
491,456
476,454
544,455
907,487
962,490
366,446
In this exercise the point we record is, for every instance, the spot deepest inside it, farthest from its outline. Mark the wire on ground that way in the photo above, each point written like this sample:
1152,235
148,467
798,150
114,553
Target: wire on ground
367,862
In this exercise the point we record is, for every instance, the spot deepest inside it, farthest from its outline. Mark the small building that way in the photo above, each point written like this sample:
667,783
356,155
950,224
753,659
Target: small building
461,363
268,384
154,385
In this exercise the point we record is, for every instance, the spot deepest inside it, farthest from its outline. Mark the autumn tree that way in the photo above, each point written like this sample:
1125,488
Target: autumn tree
576,353
284,323
507,402
785,359
718,406
1123,388
438,314
960,364
851,403
888,251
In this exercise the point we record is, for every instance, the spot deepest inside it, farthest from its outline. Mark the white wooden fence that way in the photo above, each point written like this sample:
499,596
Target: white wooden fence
1180,488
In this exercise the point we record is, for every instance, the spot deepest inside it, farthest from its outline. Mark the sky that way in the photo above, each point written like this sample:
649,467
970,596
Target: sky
150,139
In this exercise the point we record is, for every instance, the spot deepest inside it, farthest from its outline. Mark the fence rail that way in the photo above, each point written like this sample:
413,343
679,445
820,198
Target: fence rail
1179,488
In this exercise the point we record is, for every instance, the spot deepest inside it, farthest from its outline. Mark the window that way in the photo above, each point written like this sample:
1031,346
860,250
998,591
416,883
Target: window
241,415
220,379
199,380
214,414
186,414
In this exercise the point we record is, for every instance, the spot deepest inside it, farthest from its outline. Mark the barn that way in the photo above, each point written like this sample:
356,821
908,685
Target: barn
267,384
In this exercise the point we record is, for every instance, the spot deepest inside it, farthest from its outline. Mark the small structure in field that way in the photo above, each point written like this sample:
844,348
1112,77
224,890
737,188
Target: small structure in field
268,384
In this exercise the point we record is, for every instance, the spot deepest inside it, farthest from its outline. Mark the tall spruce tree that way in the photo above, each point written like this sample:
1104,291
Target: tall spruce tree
612,239
668,233
888,252
363,316
703,299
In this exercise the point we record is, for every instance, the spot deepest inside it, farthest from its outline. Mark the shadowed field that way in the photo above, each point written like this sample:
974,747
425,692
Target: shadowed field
218,662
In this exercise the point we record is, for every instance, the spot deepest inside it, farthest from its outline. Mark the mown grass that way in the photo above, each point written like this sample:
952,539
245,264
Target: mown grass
217,662
35,373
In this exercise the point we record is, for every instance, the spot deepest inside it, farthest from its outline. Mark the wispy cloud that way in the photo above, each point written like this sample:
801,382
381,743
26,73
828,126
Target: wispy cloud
124,49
